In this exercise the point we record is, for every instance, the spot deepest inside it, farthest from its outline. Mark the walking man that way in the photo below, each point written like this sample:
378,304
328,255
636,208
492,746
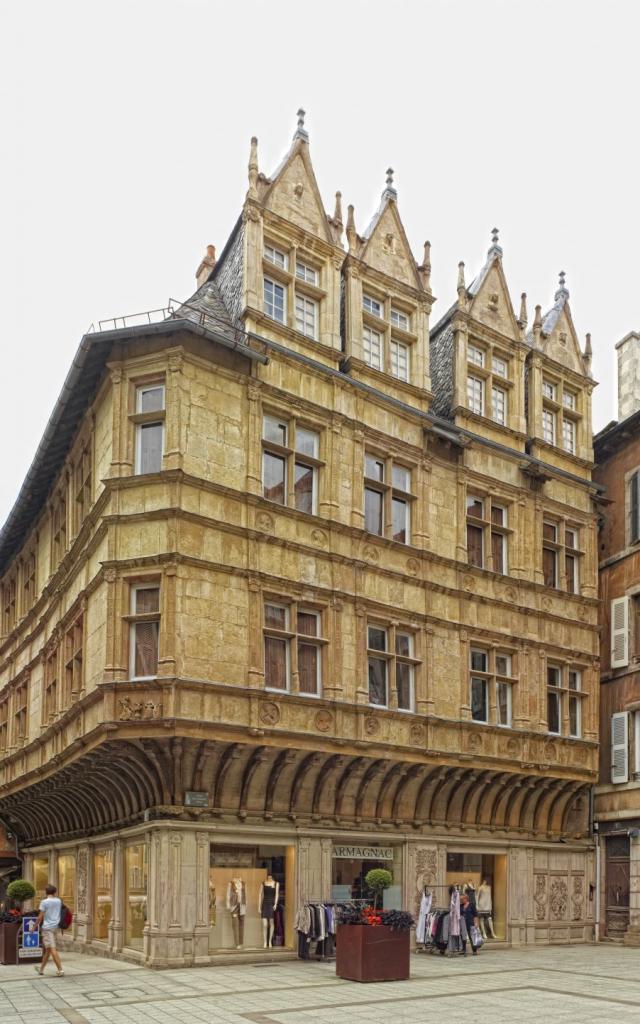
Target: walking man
49,921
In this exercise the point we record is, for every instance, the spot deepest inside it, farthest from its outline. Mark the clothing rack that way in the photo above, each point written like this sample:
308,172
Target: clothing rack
326,914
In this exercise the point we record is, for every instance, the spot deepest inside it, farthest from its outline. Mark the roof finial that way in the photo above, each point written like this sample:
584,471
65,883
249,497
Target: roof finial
522,319
351,229
425,269
337,213
588,354
562,291
495,249
389,192
537,327
253,168
462,288
301,132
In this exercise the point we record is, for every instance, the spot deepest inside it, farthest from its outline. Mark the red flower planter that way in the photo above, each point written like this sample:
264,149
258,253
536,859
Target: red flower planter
378,953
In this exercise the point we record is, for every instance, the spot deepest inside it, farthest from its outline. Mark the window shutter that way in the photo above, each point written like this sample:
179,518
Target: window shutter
620,747
619,632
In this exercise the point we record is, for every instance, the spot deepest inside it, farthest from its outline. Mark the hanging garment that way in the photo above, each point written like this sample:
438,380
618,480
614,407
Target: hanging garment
455,912
237,897
425,907
484,900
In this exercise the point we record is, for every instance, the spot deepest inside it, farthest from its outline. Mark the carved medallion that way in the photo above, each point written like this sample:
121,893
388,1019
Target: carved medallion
417,733
319,537
269,713
370,553
323,721
264,522
413,566
550,752
371,725
469,584
474,743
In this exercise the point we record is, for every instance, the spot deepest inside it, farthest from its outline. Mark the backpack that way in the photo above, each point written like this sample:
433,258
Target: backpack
66,917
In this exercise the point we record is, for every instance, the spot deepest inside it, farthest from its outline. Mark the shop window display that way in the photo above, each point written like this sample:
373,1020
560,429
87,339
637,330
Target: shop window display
67,880
136,894
40,876
484,878
350,865
103,893
248,905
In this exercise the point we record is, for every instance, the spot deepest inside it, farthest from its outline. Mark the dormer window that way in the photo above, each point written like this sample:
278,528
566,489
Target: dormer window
306,273
275,300
475,355
371,305
306,316
569,436
549,426
569,400
499,366
276,256
499,405
475,394
548,390
372,343
399,319
399,360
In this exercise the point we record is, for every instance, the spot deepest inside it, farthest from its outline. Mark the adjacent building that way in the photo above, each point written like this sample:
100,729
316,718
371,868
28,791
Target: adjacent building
617,804
297,585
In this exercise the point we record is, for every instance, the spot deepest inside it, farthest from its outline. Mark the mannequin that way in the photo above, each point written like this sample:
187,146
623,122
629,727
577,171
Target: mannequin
237,907
484,905
267,903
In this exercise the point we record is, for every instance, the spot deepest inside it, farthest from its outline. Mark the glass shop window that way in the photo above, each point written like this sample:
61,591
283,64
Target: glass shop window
103,893
40,877
67,880
350,864
135,904
251,897
483,876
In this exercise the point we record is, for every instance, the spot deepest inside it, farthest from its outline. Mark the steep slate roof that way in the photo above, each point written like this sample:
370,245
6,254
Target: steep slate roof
205,315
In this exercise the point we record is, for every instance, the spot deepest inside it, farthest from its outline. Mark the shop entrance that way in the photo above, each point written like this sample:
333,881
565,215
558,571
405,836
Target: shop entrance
251,903
350,865
483,876
617,885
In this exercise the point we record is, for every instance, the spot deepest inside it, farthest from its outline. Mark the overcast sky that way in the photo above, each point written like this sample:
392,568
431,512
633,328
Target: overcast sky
125,139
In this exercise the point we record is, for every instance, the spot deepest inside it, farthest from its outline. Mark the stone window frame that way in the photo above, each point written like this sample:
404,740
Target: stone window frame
632,506
489,378
562,552
560,411
389,328
9,601
133,618
82,477
390,492
292,458
59,519
5,721
50,682
72,665
489,527
29,576
493,678
139,420
392,658
293,284
564,694
20,710
293,639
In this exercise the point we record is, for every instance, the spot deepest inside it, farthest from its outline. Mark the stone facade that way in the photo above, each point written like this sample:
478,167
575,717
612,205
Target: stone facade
417,544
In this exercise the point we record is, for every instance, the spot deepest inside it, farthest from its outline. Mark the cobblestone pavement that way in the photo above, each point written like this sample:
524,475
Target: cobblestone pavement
557,984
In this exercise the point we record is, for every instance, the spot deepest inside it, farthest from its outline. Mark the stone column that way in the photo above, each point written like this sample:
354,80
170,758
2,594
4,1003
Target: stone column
118,910
202,923
174,403
84,888
172,899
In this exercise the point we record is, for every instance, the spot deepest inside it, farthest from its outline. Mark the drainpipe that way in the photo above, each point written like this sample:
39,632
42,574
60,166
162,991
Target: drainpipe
597,915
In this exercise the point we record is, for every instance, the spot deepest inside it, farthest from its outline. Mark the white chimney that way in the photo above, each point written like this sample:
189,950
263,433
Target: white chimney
628,375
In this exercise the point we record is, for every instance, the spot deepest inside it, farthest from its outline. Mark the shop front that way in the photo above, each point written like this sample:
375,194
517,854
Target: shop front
483,876
350,863
251,897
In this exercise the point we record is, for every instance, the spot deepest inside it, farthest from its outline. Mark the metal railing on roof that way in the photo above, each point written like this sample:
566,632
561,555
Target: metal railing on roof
174,310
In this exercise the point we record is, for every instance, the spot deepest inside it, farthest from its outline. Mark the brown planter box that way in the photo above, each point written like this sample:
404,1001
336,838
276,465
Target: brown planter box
372,953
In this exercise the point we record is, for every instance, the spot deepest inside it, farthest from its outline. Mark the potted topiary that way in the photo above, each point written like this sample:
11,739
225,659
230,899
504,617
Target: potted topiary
373,944
378,879
18,892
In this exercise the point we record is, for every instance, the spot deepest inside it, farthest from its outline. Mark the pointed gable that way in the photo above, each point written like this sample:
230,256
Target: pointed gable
293,192
560,340
489,294
386,247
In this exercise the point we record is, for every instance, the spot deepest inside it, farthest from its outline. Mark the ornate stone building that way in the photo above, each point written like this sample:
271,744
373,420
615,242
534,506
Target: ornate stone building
297,585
